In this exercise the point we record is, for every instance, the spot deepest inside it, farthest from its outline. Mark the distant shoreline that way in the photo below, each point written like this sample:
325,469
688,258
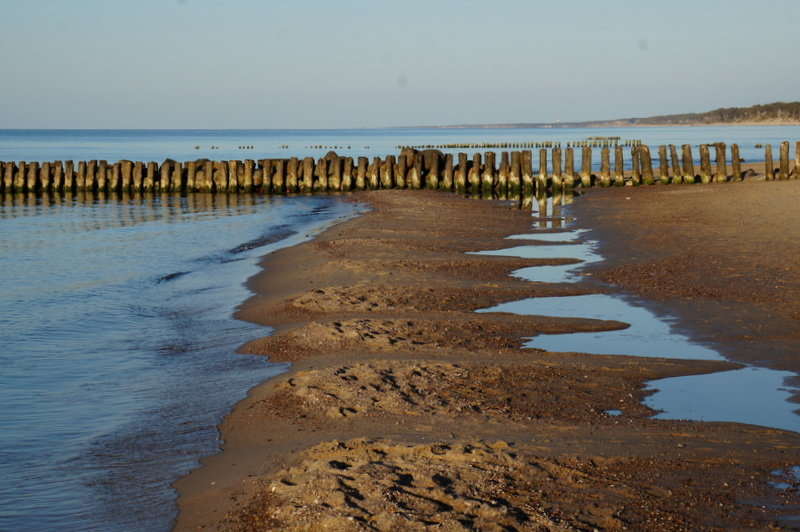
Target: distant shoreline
598,125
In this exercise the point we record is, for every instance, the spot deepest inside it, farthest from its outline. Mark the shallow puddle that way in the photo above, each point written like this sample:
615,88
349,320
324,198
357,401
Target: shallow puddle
647,336
750,395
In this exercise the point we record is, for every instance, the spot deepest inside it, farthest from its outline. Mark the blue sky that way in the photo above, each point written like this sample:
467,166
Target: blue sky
354,63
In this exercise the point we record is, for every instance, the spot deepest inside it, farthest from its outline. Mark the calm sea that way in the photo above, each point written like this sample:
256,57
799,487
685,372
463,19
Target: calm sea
117,342
118,346
184,145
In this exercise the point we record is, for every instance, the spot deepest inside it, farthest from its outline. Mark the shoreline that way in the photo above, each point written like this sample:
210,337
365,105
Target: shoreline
390,362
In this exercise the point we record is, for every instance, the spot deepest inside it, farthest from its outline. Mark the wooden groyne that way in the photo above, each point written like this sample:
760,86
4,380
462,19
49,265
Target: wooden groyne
507,175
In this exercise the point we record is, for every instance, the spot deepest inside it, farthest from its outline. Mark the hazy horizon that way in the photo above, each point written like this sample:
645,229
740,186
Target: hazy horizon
245,64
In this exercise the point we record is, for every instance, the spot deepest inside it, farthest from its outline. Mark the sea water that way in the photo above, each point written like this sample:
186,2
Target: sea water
119,348
186,145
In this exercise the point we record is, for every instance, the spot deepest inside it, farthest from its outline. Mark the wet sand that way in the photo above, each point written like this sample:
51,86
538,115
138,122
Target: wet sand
406,410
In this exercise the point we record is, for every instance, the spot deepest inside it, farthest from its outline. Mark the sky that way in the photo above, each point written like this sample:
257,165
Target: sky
276,64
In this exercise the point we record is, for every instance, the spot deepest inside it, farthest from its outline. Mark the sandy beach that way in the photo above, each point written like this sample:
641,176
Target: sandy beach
403,409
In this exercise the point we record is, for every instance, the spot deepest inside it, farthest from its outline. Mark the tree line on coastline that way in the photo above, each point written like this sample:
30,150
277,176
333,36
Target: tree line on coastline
770,113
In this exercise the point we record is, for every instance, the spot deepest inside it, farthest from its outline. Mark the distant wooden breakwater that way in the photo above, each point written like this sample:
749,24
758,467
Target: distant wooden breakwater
507,175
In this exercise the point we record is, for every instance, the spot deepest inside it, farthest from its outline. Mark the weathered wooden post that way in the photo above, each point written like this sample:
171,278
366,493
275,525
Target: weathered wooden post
138,175
431,159
21,177
541,177
558,177
178,180
374,172
736,163
796,172
233,176
605,167
513,176
646,164
102,175
266,175
126,175
527,172
307,183
586,166
164,173
783,164
69,176
663,165
619,166
115,177
387,173
278,176
636,168
676,166
503,171
291,174
721,170
9,168
8,176
207,183
569,170
688,164
246,181
80,179
475,176
460,177
321,175
705,164
361,173
149,180
487,177
334,171
400,171
447,175
43,181
769,167
347,174
56,176
91,175
219,176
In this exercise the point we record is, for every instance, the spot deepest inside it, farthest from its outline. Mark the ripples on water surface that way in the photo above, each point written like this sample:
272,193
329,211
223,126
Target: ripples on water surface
118,346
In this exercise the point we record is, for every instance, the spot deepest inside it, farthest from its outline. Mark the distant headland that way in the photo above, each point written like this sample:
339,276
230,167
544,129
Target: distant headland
778,113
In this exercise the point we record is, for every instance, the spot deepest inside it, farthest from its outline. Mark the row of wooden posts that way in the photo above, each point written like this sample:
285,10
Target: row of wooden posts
511,175
591,142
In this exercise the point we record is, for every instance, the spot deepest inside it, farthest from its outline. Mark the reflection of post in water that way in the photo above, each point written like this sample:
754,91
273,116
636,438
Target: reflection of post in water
541,199
557,197
527,202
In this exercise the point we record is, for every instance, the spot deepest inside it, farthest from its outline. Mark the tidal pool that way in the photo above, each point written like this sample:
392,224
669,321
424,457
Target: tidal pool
750,395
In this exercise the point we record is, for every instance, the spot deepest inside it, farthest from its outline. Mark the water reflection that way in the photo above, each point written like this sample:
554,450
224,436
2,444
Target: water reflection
749,395
647,336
